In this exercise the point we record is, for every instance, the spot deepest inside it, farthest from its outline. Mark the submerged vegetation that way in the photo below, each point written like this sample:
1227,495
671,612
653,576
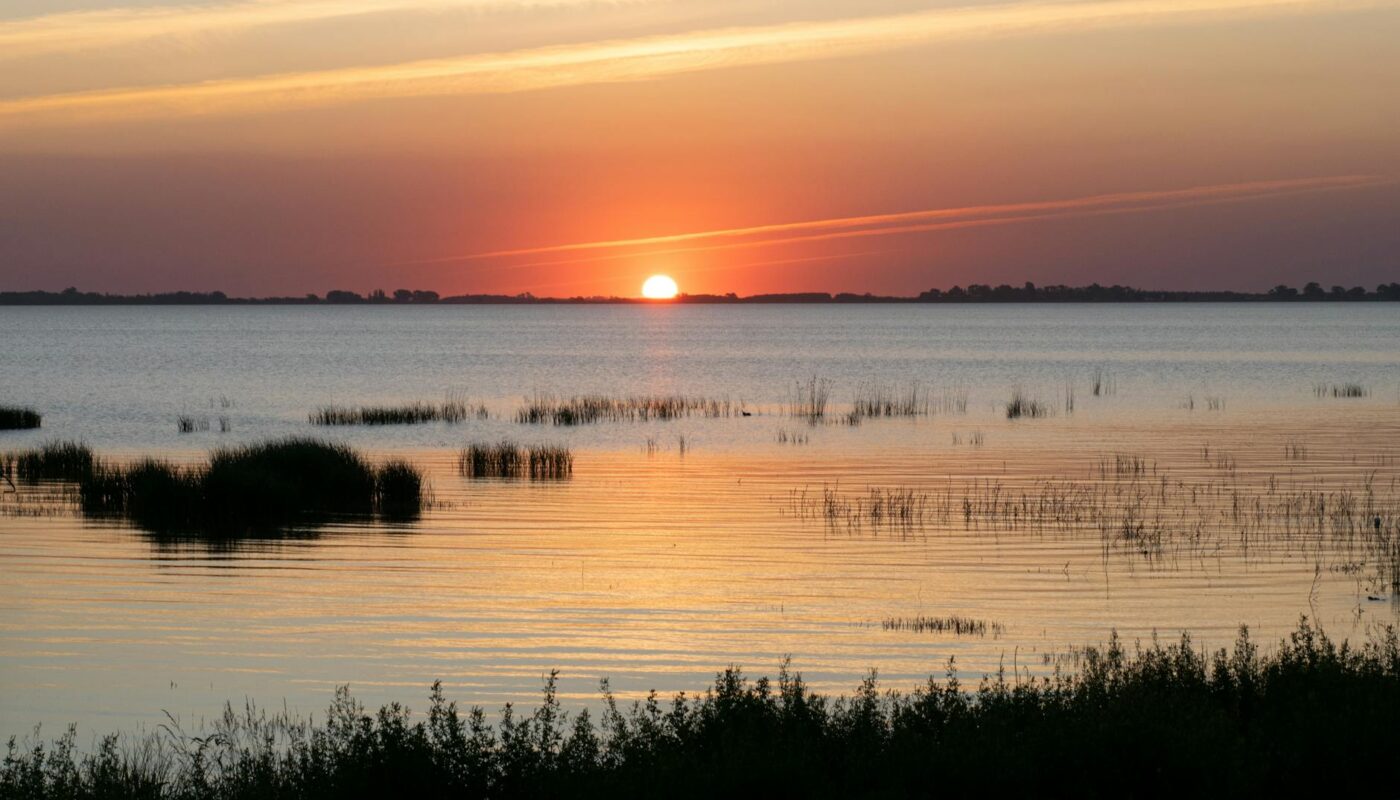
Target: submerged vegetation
545,409
451,411
1233,721
254,488
509,460
15,418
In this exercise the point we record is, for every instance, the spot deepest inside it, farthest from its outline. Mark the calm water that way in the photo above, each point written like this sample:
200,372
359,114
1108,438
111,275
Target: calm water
657,567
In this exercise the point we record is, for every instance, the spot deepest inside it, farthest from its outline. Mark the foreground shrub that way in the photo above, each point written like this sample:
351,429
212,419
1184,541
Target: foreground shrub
1159,720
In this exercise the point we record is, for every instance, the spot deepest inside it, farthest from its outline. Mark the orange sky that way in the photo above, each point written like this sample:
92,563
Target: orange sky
291,146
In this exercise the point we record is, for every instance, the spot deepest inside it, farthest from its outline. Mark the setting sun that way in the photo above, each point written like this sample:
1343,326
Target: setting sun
659,287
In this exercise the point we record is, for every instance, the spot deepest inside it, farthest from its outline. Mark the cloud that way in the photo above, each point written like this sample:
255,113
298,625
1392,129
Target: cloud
642,58
86,31
924,221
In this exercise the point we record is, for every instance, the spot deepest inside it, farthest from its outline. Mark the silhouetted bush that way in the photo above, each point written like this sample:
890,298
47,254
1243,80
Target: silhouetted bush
1157,721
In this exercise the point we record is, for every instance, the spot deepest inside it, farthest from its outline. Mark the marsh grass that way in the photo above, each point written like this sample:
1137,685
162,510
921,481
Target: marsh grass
809,399
189,424
51,461
1133,506
1103,384
506,459
16,418
546,409
451,411
786,436
250,489
1235,721
1020,406
1339,390
958,626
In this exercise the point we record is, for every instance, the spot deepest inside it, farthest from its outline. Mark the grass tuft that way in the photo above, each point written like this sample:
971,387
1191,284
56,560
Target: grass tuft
51,461
508,460
1022,406
452,411
17,418
259,487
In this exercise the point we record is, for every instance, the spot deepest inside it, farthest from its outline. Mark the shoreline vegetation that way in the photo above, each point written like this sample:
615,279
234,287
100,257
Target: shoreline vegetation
1152,719
974,293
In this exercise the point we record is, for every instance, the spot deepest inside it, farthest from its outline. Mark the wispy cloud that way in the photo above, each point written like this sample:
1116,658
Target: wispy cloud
646,58
922,221
85,31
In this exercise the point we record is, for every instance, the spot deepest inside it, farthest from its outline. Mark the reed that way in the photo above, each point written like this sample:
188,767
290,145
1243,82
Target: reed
786,436
546,409
16,418
1022,406
878,400
252,489
809,399
1239,721
451,411
51,461
188,424
958,626
1342,390
506,459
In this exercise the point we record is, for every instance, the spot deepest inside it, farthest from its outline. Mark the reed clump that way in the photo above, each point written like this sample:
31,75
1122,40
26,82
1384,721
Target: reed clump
506,459
259,487
810,398
1022,406
17,418
51,461
958,626
1339,390
1239,721
451,411
546,409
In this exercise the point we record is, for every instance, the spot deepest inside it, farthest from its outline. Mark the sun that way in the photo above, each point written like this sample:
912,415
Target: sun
659,287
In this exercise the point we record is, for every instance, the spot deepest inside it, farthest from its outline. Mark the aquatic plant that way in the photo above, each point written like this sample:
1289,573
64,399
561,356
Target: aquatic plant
546,409
1343,390
1238,720
267,486
1022,406
51,461
786,436
451,411
506,459
188,424
959,626
14,418
809,399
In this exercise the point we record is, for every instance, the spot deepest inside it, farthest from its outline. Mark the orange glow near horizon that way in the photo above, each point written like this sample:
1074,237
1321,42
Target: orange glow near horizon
563,148
660,287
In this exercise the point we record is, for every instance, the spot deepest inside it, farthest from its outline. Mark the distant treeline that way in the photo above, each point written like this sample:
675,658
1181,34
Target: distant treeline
974,293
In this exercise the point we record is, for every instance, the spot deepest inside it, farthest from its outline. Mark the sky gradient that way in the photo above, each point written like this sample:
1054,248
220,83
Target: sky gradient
569,147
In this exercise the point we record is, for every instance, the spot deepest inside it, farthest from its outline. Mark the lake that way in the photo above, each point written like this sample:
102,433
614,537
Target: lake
1189,467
